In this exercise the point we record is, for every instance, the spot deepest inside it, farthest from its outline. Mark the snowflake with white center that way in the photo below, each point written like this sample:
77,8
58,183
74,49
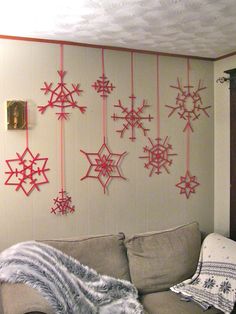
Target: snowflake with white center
104,165
27,171
62,204
61,97
158,156
188,103
132,118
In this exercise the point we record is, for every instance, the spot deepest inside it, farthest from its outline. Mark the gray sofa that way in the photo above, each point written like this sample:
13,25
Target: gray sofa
152,261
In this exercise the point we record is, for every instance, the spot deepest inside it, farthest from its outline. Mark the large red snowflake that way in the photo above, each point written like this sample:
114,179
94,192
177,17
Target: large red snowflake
187,184
27,171
188,103
62,204
104,165
132,118
61,97
158,156
103,86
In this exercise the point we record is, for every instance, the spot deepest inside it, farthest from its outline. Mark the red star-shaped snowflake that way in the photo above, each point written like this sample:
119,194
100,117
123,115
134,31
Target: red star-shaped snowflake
61,97
133,118
187,184
62,204
104,165
27,171
158,156
188,103
103,86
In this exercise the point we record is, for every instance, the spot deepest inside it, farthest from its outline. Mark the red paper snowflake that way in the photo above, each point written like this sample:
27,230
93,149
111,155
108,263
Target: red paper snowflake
61,97
158,156
132,118
188,103
104,165
187,184
62,204
103,86
27,171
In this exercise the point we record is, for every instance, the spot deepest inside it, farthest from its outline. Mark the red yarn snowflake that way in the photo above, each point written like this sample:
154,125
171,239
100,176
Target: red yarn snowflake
62,204
187,184
27,171
104,165
158,156
61,97
132,118
103,86
188,103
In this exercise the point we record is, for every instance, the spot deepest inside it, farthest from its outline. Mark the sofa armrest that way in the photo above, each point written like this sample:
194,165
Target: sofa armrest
21,299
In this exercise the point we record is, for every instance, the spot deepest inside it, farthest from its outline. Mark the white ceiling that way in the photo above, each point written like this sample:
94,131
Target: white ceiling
204,28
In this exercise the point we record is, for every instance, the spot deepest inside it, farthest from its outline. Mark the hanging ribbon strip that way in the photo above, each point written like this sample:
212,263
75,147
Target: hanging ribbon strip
158,154
191,104
62,203
132,118
104,165
60,96
28,171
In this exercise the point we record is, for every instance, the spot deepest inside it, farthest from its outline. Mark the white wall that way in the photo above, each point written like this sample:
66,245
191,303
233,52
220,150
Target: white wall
222,146
139,204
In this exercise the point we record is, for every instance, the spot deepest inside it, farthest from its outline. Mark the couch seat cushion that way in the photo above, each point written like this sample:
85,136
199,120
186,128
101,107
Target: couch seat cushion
158,260
168,302
21,299
106,253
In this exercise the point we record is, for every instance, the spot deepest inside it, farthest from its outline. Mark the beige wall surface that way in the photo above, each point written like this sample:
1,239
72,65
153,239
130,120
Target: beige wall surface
222,146
137,204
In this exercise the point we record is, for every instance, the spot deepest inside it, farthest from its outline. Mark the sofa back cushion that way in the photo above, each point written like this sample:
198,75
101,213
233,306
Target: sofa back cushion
106,254
158,260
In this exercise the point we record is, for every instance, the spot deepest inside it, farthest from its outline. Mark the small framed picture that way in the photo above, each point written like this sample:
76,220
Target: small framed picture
16,115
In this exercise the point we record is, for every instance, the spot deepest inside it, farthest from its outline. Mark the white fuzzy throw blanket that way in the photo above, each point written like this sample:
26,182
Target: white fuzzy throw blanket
214,283
69,286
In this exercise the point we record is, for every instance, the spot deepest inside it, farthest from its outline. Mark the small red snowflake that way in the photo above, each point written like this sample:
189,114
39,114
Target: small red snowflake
187,184
132,118
188,103
62,204
158,156
61,97
27,171
104,165
103,86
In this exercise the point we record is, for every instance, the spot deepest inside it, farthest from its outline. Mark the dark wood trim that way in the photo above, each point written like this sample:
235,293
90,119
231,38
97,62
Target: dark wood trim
232,86
71,43
226,56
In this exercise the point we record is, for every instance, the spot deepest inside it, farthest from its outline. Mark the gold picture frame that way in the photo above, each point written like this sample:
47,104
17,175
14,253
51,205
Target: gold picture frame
16,115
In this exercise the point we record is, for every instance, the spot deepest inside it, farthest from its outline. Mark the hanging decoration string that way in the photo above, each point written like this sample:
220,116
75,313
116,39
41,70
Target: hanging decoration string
188,73
62,154
104,103
158,100
26,125
188,149
188,128
62,124
132,74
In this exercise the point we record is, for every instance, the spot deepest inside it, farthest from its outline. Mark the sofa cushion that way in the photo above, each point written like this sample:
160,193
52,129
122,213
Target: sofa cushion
158,260
167,302
21,299
106,254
